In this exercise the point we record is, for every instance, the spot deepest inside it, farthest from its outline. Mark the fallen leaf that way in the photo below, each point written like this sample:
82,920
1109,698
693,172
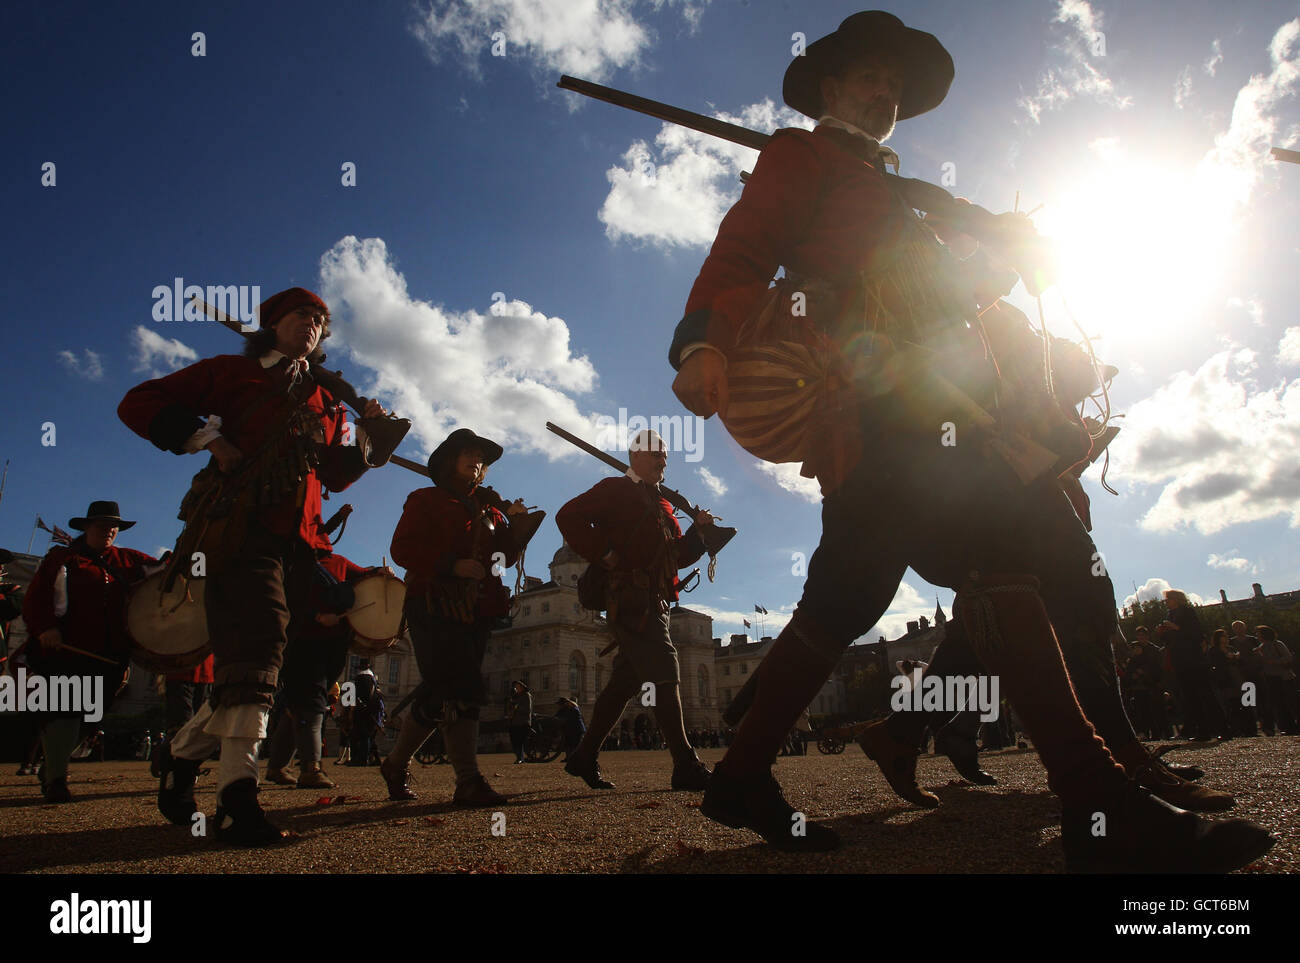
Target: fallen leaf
399,822
432,821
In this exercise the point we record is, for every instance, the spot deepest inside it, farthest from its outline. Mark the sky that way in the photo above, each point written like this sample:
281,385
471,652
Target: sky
498,253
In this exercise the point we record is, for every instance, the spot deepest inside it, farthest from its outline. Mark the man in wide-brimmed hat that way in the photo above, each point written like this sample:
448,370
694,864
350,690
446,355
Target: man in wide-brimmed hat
277,439
453,542
74,610
875,333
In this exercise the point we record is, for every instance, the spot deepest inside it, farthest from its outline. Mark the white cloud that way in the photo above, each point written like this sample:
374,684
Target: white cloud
1231,562
907,605
1252,306
1215,58
675,193
726,621
1288,349
587,38
504,372
1154,589
712,482
158,355
1079,50
1223,449
788,477
1239,152
90,367
1183,87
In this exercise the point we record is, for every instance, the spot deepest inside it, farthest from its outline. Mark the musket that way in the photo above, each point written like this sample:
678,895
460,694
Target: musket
715,537
1030,254
385,432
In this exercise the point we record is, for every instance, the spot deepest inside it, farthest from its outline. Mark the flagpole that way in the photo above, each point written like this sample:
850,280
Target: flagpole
4,479
33,538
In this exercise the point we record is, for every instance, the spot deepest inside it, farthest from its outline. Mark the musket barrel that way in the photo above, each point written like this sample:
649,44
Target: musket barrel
674,115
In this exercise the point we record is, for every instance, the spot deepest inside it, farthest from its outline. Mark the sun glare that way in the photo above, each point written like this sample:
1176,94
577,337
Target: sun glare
1142,248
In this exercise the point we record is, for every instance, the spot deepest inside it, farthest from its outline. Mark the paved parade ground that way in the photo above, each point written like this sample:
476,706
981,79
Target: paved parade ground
555,824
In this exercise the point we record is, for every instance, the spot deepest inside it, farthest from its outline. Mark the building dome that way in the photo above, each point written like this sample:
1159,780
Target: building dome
567,565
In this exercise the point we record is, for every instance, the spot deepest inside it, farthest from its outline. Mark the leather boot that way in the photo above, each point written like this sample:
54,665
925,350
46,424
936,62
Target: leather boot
588,770
314,778
1135,832
757,803
1152,774
477,794
692,776
897,763
280,777
399,781
176,787
56,790
241,821
964,758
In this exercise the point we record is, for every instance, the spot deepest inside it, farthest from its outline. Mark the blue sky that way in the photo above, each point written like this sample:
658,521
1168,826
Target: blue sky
1142,129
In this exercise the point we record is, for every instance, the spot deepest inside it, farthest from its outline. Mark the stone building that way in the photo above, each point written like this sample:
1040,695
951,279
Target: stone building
554,645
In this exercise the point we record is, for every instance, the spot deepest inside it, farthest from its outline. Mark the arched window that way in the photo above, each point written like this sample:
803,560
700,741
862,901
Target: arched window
703,677
578,676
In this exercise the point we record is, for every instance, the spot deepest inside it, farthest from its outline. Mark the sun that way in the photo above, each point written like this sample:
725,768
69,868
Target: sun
1142,246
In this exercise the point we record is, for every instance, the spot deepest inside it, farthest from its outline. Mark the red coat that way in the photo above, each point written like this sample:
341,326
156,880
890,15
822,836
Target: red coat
613,515
435,531
167,411
96,594
814,206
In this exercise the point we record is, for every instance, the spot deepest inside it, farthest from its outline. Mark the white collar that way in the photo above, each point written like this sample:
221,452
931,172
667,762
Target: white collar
887,154
274,357
638,479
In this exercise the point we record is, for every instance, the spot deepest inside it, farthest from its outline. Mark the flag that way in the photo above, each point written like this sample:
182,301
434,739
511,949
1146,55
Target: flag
759,608
746,621
56,533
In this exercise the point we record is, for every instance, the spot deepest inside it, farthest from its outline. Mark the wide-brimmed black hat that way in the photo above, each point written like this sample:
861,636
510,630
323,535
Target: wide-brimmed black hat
458,441
100,512
927,67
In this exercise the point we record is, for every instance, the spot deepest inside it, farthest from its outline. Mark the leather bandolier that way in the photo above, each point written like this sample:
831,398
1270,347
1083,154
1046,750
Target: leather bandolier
218,509
457,598
635,593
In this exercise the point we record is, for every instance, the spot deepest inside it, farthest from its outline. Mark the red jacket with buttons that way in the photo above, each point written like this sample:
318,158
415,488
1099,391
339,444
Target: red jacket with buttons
97,587
437,529
168,410
617,514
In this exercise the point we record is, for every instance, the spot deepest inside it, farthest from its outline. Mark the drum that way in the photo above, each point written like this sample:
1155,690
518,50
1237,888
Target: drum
168,631
376,619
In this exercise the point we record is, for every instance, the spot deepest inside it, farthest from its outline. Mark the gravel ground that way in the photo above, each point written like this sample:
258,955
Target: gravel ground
555,824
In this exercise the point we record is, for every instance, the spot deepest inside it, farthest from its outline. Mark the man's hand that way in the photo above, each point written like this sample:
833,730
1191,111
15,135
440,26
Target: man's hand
52,640
516,507
373,409
469,568
610,560
703,518
328,619
701,384
227,455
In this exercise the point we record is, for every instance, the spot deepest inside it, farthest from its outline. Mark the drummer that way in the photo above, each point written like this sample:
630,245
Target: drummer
314,658
277,438
75,615
447,539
